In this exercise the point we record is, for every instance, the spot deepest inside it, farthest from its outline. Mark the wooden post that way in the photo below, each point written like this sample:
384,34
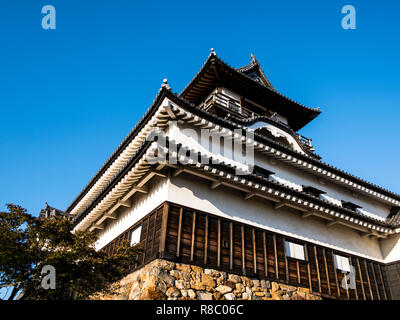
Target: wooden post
206,241
361,278
298,272
154,231
276,259
231,245
336,276
193,237
383,282
265,255
219,244
243,252
178,244
326,271
147,237
317,265
164,225
254,252
368,280
375,281
355,275
308,269
286,262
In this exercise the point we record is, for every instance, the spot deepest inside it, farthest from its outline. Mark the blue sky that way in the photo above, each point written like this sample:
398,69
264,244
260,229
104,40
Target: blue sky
69,96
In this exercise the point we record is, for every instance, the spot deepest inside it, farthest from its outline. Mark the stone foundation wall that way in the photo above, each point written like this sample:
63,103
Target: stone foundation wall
165,280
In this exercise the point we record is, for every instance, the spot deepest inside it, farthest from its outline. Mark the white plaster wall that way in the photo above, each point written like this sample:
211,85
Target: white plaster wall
333,190
190,136
230,204
143,204
391,248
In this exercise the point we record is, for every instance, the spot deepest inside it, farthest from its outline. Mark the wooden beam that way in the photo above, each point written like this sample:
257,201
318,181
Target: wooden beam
160,166
368,280
154,230
164,224
355,290
280,205
126,203
383,282
317,266
141,189
219,243
193,236
326,271
307,214
361,278
249,195
147,237
243,252
331,223
286,261
347,291
177,172
231,245
375,281
95,227
335,272
308,268
170,112
136,188
298,272
206,241
157,173
215,184
178,244
254,251
265,254
276,259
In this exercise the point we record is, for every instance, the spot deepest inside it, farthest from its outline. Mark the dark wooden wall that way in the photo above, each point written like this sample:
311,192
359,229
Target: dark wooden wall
185,235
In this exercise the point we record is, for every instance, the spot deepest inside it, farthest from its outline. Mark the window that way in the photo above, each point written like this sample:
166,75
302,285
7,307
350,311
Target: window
313,191
342,263
265,173
294,250
135,236
350,205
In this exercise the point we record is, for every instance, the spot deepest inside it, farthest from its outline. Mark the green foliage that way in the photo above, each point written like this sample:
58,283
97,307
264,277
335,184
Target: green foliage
28,243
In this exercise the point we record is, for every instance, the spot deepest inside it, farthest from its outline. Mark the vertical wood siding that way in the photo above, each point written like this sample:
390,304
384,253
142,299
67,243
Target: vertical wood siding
184,235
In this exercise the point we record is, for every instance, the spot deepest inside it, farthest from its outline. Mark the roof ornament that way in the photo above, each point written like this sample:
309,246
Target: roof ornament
253,58
212,52
165,85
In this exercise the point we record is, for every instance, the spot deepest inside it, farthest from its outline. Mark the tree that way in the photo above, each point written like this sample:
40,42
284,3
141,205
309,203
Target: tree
28,244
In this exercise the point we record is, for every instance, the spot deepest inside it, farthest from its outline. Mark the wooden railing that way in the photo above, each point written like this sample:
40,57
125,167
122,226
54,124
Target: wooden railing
304,140
235,106
229,103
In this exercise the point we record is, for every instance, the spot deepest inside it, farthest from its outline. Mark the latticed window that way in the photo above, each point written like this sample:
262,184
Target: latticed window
342,263
135,236
294,250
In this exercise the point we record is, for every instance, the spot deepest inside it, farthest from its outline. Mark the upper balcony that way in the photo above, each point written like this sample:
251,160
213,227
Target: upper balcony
229,103
226,103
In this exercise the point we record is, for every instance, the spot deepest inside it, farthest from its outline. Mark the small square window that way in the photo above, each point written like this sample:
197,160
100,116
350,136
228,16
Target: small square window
135,236
294,250
313,191
350,205
342,263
